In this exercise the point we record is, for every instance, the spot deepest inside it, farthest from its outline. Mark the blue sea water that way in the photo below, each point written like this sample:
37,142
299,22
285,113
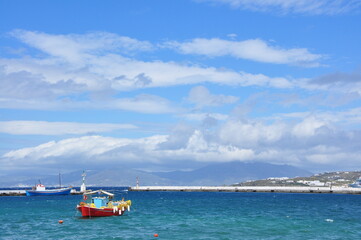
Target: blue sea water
188,215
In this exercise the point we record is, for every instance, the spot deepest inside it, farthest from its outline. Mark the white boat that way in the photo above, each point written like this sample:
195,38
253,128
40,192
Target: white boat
40,190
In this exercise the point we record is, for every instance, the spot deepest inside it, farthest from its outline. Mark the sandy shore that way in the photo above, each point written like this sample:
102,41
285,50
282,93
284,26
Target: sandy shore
337,190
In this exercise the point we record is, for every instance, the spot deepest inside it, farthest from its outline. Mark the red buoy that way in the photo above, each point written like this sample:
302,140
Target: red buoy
61,221
156,235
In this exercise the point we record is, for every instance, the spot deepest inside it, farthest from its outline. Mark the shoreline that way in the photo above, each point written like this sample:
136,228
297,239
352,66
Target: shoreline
276,189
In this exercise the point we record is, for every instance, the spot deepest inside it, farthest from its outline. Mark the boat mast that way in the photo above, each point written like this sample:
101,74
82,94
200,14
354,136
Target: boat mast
59,180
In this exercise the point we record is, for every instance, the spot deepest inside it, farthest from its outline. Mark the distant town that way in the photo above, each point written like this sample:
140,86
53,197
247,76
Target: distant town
328,179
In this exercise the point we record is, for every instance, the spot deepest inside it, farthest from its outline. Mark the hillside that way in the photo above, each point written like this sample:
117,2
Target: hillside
322,179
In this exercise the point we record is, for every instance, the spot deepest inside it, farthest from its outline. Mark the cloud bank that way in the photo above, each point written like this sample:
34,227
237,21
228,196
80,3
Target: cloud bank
312,140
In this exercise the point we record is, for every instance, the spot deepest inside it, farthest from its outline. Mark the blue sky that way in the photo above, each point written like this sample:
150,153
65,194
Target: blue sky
174,85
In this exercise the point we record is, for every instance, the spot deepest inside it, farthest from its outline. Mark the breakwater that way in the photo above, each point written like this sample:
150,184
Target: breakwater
12,192
279,189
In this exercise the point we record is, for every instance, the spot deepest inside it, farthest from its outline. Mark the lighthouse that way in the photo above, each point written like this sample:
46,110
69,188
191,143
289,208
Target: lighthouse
83,187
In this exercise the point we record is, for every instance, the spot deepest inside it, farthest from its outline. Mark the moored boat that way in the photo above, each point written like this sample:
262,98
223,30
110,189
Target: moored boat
100,204
40,190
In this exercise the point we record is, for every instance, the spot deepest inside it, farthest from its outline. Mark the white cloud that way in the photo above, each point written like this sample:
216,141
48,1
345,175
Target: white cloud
312,7
58,128
55,81
86,149
253,49
201,97
202,116
311,121
304,143
146,104
46,87
339,82
251,134
308,127
75,47
96,71
24,85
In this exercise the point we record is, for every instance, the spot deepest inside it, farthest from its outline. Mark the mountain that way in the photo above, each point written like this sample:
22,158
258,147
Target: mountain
213,175
121,177
232,172
110,177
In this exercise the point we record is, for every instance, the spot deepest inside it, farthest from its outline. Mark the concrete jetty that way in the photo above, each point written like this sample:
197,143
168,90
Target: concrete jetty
278,189
12,193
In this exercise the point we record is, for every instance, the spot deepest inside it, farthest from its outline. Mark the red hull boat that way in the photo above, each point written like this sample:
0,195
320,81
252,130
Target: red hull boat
101,206
87,211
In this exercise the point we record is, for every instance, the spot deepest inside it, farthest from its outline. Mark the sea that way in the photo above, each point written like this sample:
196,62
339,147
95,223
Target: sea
187,215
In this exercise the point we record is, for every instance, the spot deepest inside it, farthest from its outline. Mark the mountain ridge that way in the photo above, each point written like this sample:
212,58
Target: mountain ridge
213,175
233,172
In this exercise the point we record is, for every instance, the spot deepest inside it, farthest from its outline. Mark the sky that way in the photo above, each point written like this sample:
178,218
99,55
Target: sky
175,85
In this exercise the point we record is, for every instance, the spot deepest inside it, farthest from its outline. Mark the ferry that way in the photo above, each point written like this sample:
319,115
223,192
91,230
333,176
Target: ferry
100,203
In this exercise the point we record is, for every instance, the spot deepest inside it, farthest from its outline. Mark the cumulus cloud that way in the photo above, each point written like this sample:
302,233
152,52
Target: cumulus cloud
310,141
312,7
251,134
253,49
308,127
58,128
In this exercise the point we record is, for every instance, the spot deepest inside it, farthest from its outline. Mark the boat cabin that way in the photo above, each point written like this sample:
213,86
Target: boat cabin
100,201
39,187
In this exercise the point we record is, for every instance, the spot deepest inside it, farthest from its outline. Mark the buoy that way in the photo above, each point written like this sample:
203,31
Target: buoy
61,221
156,235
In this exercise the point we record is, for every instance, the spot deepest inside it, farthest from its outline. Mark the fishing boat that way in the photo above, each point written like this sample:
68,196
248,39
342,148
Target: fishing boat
100,203
40,190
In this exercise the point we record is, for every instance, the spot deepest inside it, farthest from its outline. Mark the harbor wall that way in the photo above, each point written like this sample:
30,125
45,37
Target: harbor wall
278,189
337,190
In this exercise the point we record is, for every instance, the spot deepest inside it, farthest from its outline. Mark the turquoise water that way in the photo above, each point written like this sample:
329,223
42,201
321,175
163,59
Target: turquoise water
188,215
